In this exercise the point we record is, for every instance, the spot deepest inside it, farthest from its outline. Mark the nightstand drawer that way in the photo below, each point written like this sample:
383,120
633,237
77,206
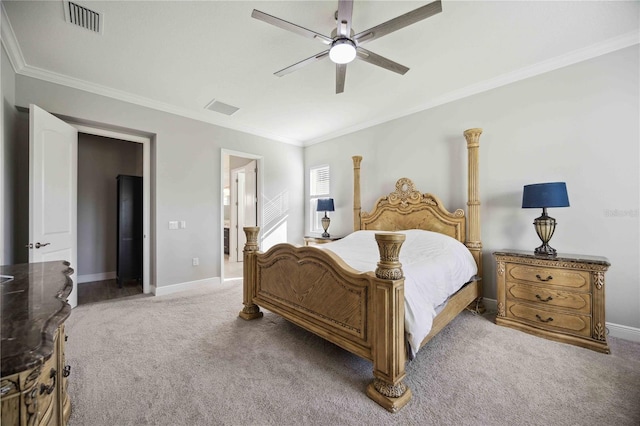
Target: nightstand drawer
549,319
543,295
578,280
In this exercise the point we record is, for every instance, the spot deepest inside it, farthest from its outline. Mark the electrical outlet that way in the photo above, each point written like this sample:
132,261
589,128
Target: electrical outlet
173,224
195,261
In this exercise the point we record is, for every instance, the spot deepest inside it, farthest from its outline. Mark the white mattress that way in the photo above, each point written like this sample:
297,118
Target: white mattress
435,266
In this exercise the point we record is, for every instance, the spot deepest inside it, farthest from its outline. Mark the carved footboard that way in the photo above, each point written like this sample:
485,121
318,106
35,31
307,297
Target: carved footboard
361,312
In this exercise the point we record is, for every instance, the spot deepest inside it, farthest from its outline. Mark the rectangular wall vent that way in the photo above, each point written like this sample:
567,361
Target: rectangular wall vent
221,107
82,16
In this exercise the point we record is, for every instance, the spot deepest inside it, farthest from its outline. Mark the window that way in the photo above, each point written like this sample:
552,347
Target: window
319,188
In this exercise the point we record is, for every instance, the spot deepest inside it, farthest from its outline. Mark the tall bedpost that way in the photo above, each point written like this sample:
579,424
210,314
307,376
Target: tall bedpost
356,192
473,239
389,352
474,242
250,310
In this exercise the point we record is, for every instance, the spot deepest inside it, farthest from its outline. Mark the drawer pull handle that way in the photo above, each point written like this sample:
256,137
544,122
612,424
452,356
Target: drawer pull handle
547,320
543,300
549,278
48,389
66,371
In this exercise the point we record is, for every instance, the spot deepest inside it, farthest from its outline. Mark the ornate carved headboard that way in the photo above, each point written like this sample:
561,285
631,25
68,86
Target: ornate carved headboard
406,208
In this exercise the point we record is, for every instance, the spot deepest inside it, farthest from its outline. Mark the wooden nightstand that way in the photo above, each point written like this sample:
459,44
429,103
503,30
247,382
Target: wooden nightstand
559,298
318,240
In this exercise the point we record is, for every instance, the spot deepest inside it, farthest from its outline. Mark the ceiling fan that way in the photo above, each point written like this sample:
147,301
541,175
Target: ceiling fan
345,45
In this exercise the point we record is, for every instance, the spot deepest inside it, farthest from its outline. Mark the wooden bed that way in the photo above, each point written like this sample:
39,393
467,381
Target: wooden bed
364,312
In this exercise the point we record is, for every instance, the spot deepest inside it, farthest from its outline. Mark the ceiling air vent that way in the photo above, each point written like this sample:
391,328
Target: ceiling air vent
82,16
221,107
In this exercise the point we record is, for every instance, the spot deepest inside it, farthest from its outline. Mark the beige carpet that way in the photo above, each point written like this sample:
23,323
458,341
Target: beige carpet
187,359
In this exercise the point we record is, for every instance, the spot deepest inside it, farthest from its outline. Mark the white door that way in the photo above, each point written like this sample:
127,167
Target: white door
250,195
234,226
241,238
244,208
53,175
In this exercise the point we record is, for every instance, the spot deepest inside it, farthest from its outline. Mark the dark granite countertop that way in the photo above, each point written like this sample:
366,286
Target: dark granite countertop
33,307
563,257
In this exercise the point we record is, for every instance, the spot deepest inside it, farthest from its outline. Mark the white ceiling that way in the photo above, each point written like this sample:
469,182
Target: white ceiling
177,56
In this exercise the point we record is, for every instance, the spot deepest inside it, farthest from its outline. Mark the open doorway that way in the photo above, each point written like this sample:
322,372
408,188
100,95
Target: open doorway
241,183
107,168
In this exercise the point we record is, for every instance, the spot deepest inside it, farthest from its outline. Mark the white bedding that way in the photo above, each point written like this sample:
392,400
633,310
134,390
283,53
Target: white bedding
435,266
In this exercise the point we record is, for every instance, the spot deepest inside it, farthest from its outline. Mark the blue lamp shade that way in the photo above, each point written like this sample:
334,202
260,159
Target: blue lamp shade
542,195
325,205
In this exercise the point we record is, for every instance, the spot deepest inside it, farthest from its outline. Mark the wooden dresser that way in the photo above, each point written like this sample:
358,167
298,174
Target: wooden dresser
559,298
33,388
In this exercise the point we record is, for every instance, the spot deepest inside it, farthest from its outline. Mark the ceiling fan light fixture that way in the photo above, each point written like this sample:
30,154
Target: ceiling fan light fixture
342,51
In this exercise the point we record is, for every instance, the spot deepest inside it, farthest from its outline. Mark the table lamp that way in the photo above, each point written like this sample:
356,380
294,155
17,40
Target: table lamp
325,205
545,195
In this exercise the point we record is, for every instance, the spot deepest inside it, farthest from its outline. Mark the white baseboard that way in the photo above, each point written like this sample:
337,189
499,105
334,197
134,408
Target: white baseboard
624,332
615,330
190,285
89,278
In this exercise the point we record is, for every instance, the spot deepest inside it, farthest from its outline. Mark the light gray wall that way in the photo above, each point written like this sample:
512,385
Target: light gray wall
578,124
14,157
185,175
100,161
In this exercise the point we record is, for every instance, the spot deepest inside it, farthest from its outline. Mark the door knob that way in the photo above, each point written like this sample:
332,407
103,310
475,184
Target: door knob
38,245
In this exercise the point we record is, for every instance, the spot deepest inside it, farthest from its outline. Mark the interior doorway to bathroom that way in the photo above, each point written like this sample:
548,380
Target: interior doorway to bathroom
240,193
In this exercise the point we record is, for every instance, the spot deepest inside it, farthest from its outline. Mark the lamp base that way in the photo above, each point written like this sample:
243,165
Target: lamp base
545,250
545,226
325,225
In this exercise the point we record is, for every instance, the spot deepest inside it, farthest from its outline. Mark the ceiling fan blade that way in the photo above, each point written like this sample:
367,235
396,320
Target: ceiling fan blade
380,61
341,72
302,63
345,11
281,23
398,23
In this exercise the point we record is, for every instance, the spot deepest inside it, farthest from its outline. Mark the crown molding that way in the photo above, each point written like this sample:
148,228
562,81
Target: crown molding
10,42
97,89
576,56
